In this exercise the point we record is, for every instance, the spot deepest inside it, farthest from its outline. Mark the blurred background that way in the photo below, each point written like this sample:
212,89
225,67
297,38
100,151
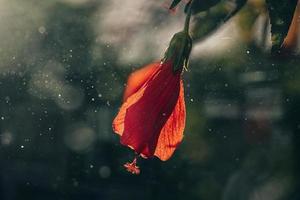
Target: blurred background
63,66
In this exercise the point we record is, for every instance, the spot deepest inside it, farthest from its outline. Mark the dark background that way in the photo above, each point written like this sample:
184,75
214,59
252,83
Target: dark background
61,84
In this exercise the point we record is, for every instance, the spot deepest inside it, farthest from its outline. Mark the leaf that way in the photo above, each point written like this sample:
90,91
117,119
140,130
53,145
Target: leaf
214,18
187,6
174,4
237,5
201,5
281,14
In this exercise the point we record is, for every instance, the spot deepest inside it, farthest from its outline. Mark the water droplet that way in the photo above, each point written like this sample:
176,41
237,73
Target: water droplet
42,29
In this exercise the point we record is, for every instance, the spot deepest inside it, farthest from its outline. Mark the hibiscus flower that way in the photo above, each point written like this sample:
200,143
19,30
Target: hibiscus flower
151,119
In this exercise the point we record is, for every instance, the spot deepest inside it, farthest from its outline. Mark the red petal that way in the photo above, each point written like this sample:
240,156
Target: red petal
145,113
135,81
290,41
137,78
172,133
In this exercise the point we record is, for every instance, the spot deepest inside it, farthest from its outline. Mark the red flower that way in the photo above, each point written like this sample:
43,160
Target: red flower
152,118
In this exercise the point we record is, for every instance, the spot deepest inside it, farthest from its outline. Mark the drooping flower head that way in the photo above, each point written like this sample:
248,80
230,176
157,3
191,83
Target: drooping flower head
151,119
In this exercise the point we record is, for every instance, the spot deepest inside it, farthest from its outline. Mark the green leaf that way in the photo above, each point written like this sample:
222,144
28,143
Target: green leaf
201,5
187,6
281,14
174,4
237,5
216,16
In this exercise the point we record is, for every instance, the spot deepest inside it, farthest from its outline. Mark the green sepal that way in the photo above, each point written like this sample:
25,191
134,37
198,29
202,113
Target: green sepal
179,50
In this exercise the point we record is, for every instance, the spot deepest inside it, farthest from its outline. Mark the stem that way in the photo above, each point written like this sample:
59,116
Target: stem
188,18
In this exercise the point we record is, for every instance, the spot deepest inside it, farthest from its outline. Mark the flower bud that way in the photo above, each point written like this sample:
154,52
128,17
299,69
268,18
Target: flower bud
179,50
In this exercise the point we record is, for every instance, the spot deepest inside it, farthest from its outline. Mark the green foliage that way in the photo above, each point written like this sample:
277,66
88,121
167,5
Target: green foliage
174,4
281,15
209,21
202,5
237,5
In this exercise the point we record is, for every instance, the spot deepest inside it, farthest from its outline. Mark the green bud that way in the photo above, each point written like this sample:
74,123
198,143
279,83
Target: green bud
179,50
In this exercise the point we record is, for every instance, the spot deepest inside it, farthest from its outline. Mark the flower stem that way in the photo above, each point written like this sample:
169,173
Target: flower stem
188,17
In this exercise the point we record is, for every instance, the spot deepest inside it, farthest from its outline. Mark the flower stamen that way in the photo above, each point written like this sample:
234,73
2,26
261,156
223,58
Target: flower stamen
132,167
